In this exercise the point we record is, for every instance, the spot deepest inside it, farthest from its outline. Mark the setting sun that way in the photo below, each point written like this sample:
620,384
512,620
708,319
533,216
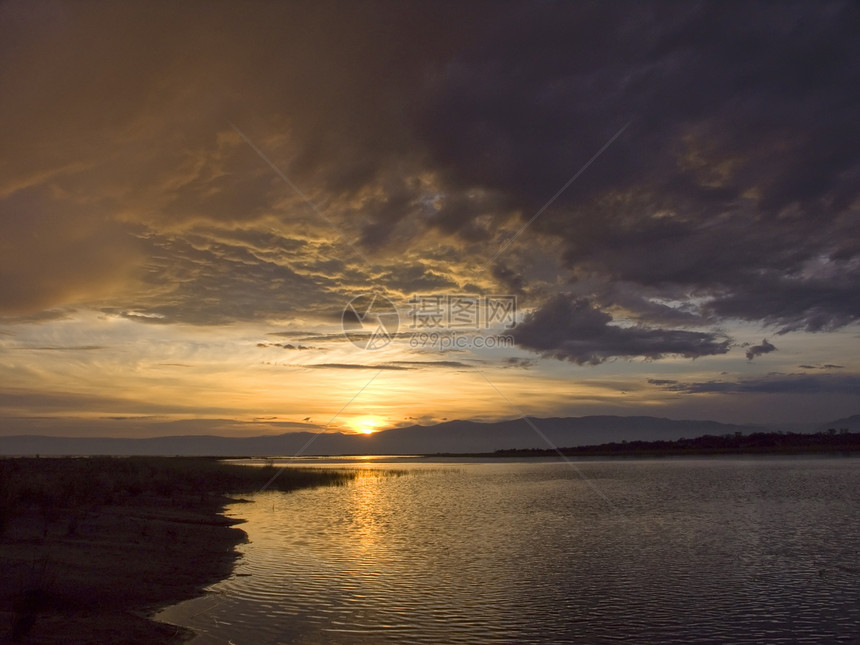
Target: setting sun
366,425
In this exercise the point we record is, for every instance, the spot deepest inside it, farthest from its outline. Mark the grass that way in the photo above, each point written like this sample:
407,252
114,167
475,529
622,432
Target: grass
53,484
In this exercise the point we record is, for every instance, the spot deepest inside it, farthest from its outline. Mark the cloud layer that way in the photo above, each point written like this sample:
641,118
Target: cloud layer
428,134
575,330
770,384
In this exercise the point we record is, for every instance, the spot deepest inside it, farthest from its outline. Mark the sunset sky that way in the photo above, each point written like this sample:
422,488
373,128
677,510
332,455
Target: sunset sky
191,195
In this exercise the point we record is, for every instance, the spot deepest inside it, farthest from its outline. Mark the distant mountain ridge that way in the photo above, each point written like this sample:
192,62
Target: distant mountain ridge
852,423
450,437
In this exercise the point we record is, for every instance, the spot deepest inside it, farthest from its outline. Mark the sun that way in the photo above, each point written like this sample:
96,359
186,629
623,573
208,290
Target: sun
366,425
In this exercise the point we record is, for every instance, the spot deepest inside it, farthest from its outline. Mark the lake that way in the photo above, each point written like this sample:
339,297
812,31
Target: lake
729,549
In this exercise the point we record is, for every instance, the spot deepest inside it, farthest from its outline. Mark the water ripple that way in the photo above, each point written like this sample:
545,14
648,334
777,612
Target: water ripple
744,551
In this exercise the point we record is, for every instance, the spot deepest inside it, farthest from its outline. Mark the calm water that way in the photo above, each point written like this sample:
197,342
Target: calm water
708,550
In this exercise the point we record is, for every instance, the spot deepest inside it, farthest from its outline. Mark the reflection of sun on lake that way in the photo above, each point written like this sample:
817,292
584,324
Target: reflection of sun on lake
368,517
358,529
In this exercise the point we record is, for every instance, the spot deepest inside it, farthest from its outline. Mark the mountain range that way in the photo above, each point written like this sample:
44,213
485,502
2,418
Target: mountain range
448,437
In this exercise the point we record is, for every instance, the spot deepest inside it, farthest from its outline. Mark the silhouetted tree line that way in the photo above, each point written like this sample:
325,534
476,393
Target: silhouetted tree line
830,440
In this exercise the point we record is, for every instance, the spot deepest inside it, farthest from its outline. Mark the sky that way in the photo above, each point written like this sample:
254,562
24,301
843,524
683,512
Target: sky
247,218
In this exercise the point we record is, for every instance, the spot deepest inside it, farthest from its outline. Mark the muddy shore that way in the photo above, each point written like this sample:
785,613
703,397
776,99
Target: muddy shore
88,551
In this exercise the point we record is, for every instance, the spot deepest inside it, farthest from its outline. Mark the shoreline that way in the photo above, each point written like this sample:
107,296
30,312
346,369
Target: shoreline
831,443
106,581
98,572
640,454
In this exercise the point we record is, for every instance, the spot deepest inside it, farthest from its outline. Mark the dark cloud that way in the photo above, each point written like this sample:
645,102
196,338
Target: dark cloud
649,305
415,126
354,366
393,365
730,183
662,381
826,366
419,364
575,330
288,346
117,142
518,362
760,350
513,281
775,384
418,279
796,302
203,280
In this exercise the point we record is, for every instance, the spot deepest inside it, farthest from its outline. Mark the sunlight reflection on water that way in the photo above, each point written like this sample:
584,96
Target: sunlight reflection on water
741,550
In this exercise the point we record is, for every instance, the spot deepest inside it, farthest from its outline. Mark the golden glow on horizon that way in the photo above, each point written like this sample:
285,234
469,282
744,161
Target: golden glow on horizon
366,425
74,376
